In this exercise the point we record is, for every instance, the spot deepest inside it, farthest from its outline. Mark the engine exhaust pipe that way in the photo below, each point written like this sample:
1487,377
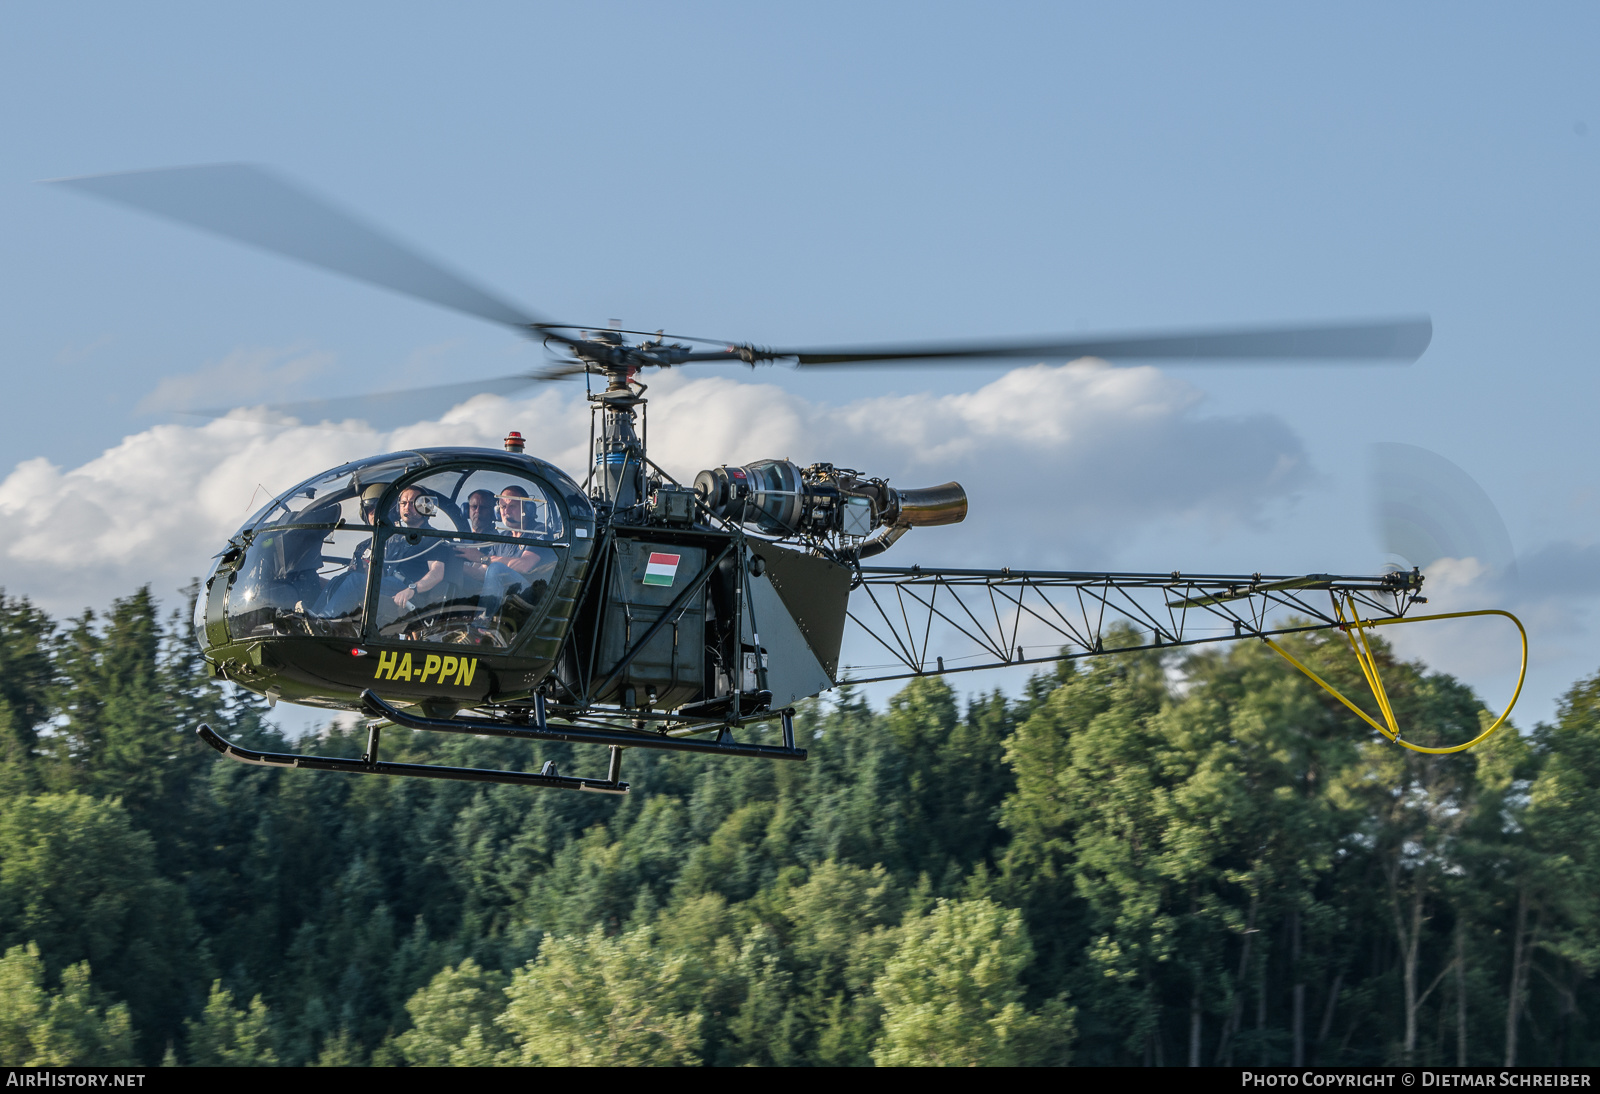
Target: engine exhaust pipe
928,507
931,506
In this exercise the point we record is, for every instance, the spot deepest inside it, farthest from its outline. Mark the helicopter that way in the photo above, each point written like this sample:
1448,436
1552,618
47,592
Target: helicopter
488,592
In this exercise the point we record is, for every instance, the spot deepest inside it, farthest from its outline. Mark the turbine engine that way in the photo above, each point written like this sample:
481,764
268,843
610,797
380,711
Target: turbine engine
780,498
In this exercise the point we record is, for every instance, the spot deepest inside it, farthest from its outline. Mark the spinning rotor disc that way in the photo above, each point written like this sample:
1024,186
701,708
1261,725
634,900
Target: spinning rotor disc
258,207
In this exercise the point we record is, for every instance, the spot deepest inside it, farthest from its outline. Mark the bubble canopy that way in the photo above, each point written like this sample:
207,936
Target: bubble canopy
453,546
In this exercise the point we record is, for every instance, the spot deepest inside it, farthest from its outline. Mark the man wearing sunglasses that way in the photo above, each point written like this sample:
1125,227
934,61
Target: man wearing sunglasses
511,568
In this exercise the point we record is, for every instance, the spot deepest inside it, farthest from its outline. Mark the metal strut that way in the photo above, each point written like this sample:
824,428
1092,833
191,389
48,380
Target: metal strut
537,729
931,619
981,619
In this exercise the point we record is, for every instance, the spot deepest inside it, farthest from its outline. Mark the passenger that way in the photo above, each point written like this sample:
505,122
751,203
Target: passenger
369,502
512,568
300,581
412,570
480,512
480,519
516,509
369,516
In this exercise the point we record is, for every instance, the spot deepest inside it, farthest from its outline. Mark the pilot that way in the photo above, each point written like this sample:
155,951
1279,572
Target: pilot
341,600
369,516
411,570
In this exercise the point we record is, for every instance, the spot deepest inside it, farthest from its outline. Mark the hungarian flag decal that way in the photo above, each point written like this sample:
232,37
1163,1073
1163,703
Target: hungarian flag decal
661,569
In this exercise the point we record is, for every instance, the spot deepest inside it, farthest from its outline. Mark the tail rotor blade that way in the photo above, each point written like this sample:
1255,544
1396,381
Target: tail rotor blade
1426,508
255,206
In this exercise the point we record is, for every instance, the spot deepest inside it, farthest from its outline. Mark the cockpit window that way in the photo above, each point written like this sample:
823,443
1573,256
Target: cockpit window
463,556
466,560
301,581
493,503
348,493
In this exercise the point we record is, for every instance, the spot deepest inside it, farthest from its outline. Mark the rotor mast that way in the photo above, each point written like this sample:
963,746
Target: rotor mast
619,452
620,467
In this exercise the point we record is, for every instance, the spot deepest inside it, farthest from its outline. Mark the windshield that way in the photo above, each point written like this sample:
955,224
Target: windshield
334,496
458,556
466,558
491,502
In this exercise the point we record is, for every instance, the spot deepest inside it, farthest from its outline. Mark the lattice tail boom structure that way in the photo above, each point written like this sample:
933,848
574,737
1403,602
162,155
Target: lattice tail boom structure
1000,616
996,616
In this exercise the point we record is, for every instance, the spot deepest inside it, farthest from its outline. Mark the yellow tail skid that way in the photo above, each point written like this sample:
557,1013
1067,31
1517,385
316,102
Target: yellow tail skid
1355,630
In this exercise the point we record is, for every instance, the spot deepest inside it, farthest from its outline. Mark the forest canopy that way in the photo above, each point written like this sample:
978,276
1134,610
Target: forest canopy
1152,858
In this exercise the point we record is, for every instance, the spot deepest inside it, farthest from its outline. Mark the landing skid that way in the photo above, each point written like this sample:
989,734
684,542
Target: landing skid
369,764
535,728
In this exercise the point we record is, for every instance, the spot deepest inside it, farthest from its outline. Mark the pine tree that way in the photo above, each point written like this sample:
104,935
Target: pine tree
596,1001
229,1036
952,994
73,1027
454,1020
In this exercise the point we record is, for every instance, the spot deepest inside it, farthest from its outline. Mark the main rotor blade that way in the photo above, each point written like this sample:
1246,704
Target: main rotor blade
1402,340
255,206
383,409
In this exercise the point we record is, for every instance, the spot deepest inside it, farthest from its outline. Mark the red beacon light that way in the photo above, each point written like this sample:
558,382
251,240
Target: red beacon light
514,441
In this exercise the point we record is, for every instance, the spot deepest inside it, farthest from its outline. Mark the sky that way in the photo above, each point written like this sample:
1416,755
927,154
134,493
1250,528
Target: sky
838,173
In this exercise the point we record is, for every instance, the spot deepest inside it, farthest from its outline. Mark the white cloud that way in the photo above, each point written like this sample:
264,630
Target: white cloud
1062,464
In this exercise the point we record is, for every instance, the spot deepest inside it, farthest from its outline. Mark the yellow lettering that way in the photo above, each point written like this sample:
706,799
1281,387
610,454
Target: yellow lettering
404,669
429,667
468,669
447,668
386,664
